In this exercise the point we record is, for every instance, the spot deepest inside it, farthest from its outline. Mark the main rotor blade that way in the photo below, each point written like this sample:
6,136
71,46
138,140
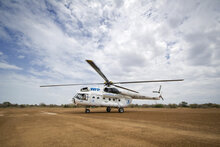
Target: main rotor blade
159,88
71,84
97,69
125,88
148,81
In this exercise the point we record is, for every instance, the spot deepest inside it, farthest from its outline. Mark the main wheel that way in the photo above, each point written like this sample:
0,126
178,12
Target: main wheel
120,110
87,111
108,109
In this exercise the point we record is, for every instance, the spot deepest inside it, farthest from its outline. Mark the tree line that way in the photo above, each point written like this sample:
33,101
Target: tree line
180,105
183,104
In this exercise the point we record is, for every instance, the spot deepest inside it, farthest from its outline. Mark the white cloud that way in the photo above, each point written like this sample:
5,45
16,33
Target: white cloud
21,57
3,34
9,66
130,40
5,65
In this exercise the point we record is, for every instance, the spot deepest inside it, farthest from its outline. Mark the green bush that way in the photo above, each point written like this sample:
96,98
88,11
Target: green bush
183,104
146,106
172,106
42,105
210,105
6,104
22,106
158,106
194,106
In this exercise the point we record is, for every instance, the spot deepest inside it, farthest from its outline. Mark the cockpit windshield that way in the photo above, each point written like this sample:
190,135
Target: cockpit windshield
81,96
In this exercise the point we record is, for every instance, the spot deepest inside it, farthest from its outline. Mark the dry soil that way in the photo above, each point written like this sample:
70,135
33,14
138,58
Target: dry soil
135,127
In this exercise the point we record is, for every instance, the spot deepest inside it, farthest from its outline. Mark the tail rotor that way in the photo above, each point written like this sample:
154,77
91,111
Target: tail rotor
159,92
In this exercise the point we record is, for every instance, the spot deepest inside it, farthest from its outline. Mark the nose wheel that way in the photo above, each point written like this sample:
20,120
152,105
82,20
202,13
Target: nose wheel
87,110
120,110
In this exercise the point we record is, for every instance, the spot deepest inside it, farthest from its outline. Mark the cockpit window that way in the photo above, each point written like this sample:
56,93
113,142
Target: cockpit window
81,96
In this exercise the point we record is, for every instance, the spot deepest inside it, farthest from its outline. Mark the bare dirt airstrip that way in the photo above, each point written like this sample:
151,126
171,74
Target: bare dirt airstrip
135,127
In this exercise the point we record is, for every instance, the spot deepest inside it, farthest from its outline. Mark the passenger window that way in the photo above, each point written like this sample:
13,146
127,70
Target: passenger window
97,97
113,99
109,99
119,100
93,97
103,98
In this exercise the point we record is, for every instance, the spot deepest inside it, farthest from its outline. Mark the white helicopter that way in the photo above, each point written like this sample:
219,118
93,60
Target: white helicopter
109,97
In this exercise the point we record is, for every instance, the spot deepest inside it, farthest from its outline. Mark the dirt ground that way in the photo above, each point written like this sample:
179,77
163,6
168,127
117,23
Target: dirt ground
135,127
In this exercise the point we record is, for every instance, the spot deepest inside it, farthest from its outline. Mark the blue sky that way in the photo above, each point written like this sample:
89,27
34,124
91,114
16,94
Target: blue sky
47,42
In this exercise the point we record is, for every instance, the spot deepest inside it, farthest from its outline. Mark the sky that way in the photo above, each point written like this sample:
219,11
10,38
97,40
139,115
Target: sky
47,42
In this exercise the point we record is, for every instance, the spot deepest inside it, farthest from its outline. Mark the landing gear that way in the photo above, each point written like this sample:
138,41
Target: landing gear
108,109
87,110
120,110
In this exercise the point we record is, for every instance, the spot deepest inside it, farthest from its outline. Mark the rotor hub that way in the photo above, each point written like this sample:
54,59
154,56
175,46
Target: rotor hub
109,83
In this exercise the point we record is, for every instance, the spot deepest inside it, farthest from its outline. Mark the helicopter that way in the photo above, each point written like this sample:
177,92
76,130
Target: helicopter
111,96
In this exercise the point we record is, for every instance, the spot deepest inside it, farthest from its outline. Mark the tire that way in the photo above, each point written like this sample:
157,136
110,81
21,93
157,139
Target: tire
108,109
87,111
120,110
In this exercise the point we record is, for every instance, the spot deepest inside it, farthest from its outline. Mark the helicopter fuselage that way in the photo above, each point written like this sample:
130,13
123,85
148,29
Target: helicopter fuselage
108,97
101,98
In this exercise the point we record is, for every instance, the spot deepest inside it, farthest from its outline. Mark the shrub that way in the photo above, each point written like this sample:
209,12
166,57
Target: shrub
194,106
210,105
7,104
183,104
146,106
42,105
158,106
22,106
172,106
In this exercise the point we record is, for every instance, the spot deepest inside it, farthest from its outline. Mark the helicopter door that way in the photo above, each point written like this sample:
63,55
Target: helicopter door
98,100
